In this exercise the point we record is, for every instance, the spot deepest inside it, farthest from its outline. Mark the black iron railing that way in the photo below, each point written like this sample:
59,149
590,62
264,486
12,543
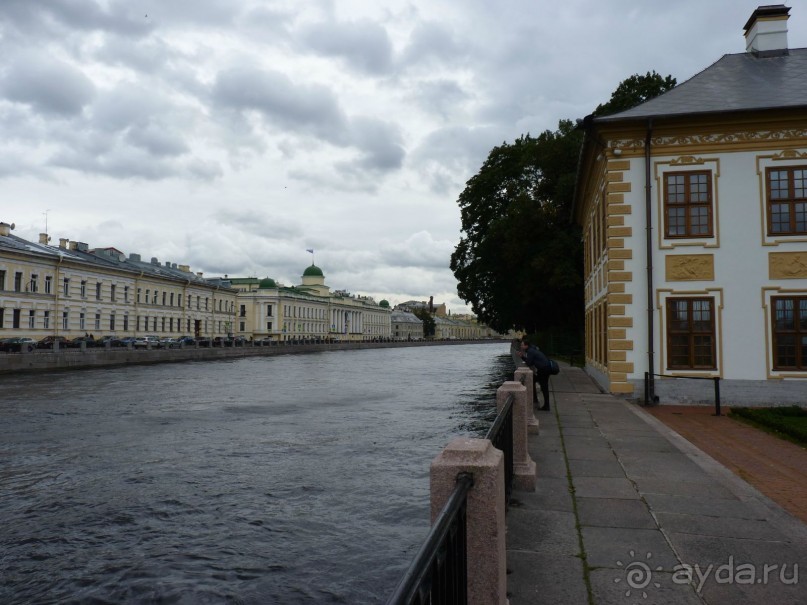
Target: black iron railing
501,436
651,399
438,573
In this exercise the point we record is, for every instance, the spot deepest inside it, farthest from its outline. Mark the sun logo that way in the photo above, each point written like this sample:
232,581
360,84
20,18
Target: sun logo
638,575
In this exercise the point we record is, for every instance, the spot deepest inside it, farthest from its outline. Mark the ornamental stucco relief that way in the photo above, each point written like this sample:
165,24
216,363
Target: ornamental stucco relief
787,265
690,267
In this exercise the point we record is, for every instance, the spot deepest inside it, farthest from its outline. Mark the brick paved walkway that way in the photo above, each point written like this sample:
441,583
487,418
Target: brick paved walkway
776,467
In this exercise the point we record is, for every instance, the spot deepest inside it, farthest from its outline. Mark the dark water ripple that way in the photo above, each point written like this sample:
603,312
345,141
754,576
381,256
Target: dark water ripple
294,479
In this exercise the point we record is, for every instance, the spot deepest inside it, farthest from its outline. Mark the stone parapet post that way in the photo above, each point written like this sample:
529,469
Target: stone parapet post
485,528
525,376
523,465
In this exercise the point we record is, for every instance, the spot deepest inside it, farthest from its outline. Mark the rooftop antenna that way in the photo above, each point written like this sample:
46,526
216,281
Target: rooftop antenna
46,219
311,250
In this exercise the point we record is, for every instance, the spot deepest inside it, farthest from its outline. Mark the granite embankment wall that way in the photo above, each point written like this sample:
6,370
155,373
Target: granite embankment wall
71,359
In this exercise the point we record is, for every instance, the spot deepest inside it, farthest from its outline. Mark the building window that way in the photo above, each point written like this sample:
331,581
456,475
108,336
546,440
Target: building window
32,319
97,321
148,292
98,291
45,320
81,321
18,281
125,323
268,310
172,299
2,317
49,284
164,295
243,311
34,286
15,318
268,326
242,326
65,320
787,201
2,280
162,323
197,303
112,321
688,204
154,298
66,286
790,333
112,290
154,324
691,334
126,294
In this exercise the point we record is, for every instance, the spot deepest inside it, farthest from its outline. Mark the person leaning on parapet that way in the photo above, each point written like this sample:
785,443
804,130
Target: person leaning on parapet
539,364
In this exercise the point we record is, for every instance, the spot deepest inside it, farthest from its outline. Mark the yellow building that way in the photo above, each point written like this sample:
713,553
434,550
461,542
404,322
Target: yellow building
694,213
71,290
309,311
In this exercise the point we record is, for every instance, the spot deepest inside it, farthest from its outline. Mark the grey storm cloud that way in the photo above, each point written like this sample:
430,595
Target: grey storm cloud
363,45
306,108
379,142
118,17
433,41
47,85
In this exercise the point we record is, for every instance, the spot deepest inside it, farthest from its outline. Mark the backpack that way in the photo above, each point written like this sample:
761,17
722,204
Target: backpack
554,368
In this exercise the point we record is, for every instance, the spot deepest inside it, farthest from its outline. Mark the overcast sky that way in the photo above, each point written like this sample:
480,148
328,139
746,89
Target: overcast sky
234,135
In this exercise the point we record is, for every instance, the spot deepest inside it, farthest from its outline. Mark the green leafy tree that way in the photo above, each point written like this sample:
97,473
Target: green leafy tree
429,326
634,91
519,262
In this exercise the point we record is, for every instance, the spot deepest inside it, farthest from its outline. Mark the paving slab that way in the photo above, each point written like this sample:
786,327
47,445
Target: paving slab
650,510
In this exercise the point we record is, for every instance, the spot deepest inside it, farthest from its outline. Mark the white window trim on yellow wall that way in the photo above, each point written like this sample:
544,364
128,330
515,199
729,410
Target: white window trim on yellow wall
685,164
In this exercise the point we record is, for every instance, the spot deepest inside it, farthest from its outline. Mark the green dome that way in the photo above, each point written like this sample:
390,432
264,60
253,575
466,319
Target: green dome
384,304
313,271
267,282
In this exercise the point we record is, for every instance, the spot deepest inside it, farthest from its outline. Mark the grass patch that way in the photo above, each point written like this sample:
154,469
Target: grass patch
790,421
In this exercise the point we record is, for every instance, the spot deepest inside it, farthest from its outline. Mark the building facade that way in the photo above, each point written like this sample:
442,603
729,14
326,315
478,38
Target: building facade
694,212
71,290
309,311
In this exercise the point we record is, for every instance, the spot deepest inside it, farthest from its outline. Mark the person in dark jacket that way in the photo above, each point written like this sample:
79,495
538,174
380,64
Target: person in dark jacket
539,364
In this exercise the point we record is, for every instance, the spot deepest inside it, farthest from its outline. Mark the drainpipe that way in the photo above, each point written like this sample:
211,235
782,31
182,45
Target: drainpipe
651,399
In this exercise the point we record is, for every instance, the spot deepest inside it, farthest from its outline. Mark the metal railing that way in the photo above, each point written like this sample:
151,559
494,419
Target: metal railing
501,436
438,573
648,397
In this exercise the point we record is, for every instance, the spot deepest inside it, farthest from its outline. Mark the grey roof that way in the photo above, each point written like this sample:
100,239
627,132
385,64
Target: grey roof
398,316
110,257
740,82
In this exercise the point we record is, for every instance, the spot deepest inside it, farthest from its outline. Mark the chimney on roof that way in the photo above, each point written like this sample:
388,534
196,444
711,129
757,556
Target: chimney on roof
766,31
64,242
43,238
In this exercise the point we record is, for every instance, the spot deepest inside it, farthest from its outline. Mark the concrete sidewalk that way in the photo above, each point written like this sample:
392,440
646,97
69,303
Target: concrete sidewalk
624,506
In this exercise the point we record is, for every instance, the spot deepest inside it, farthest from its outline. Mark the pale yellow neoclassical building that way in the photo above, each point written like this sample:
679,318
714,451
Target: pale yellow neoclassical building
694,214
71,289
308,311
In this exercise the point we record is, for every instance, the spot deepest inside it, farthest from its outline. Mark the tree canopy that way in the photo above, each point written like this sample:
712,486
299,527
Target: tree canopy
519,262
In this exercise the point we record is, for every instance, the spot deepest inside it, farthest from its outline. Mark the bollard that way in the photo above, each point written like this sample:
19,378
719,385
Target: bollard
523,465
525,376
485,532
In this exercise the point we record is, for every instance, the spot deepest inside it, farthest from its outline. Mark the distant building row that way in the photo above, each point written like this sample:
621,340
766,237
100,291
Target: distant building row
71,290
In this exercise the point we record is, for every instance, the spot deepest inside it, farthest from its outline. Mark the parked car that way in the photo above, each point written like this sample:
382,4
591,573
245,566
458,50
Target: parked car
17,344
186,340
167,342
126,341
88,340
142,342
114,341
47,342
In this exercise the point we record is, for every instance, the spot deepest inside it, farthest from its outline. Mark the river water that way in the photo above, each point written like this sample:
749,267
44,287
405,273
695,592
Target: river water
290,479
